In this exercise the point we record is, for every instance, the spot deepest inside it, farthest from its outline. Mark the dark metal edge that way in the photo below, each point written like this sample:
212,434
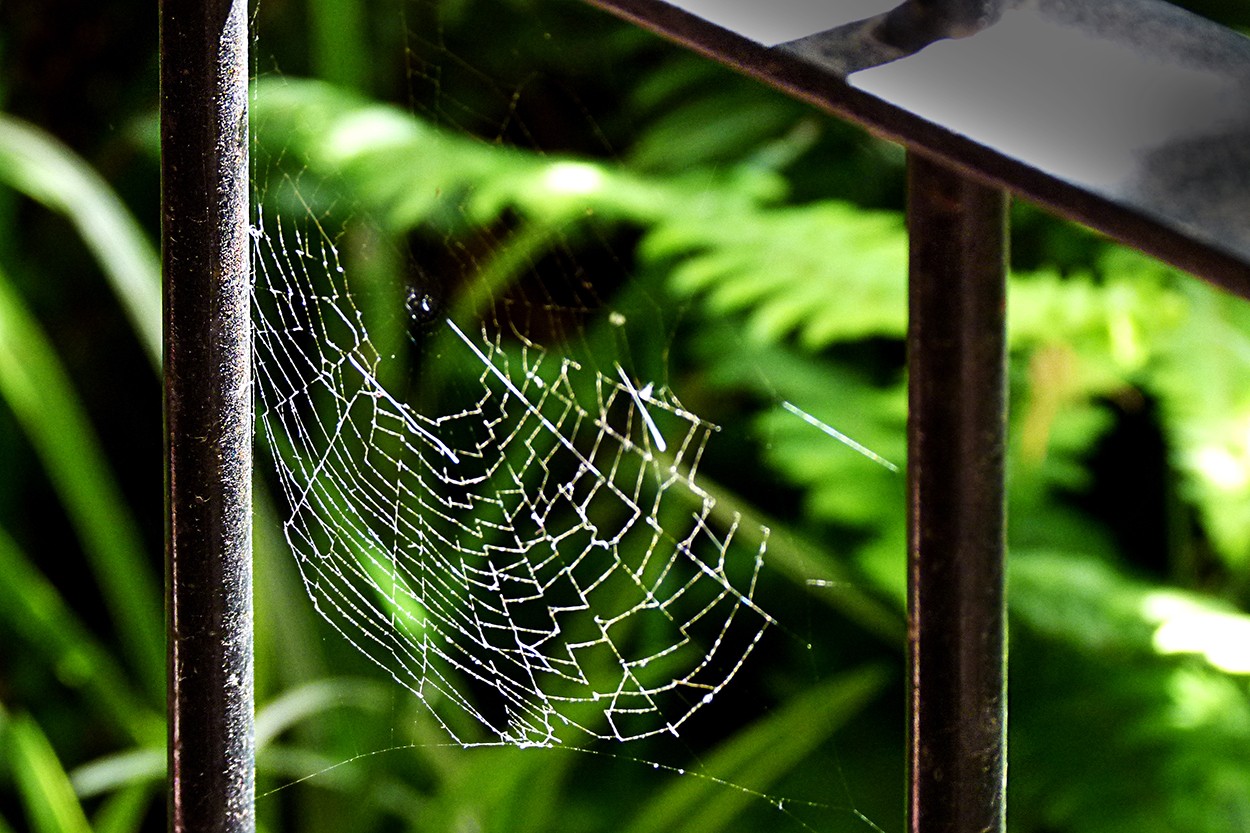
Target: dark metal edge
825,90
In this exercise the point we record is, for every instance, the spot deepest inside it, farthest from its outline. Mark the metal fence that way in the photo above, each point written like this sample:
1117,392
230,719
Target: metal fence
1130,116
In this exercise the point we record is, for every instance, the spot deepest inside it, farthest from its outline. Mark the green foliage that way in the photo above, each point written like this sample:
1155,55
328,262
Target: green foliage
1155,677
35,164
45,788
754,759
39,616
35,387
825,273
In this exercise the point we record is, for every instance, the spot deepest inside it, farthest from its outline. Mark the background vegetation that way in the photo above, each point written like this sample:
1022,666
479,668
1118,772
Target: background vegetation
768,242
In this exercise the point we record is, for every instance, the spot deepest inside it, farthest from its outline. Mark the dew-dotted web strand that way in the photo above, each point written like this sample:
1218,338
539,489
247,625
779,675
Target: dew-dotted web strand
782,804
542,560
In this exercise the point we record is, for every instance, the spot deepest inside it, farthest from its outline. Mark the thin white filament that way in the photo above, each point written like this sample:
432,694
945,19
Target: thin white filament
839,436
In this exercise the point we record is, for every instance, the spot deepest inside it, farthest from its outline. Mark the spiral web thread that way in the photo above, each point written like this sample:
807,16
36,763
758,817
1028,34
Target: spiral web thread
540,565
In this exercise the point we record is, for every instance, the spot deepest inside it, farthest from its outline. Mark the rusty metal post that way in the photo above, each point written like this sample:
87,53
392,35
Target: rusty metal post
208,420
956,438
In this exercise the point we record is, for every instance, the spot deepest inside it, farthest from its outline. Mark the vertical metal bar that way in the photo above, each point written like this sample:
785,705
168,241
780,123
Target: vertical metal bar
204,182
956,436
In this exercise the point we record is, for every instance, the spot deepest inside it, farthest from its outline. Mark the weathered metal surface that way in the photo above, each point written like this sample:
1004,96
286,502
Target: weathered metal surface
204,203
956,429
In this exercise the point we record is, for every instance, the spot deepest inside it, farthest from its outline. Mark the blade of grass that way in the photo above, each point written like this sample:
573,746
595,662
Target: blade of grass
514,789
34,384
134,767
46,793
124,812
37,165
340,48
757,756
37,613
315,698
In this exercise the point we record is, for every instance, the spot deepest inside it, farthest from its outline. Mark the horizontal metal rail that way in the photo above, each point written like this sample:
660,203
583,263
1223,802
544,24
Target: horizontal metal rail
1130,117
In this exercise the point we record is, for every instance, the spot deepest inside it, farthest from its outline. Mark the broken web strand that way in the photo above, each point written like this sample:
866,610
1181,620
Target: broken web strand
484,588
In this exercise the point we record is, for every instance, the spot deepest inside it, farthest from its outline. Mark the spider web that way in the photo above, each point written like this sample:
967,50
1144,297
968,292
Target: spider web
485,404
541,559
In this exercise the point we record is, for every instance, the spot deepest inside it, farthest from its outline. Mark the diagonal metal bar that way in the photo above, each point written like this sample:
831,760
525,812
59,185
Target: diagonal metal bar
204,233
1130,116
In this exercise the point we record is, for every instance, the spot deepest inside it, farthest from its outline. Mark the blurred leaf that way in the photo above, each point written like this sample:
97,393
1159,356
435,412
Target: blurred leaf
46,792
132,768
287,642
499,790
125,811
316,697
1201,386
1138,323
717,126
745,767
38,615
36,164
35,386
1090,604
1142,669
336,146
340,49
